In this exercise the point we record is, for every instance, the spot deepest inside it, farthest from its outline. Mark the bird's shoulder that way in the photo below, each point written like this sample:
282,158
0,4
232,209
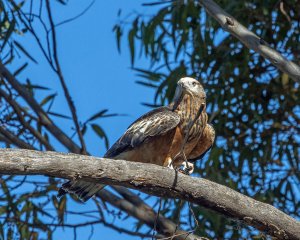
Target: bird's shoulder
154,123
164,111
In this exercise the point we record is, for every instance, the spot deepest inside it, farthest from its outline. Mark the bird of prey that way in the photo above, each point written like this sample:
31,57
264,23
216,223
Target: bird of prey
167,136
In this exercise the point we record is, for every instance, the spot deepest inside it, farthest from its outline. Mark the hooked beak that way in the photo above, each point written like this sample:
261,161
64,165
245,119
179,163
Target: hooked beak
179,94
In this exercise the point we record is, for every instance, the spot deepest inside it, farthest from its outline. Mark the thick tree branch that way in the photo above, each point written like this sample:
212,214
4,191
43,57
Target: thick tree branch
250,39
44,119
153,180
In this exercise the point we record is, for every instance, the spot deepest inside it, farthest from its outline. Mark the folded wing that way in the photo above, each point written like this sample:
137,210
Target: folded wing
154,123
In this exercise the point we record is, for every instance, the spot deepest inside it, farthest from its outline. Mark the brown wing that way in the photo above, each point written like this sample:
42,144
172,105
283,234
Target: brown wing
204,144
154,123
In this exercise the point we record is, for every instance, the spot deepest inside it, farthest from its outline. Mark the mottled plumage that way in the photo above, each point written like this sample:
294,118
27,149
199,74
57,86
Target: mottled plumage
157,137
154,123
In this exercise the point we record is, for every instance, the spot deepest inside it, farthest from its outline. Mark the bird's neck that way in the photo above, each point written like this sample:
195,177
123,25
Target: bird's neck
188,110
189,106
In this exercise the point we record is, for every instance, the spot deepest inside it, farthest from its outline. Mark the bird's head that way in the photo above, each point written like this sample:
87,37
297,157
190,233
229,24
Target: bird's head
191,87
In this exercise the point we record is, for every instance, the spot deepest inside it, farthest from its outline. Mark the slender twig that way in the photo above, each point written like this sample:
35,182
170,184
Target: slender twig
55,65
75,233
77,16
29,27
19,113
178,219
144,213
88,214
156,219
179,235
80,225
62,80
194,216
91,233
35,35
44,118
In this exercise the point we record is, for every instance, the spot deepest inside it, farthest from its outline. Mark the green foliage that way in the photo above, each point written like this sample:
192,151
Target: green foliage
29,208
253,106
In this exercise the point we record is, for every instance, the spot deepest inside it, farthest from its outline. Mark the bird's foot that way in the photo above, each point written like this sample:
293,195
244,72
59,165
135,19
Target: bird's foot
186,168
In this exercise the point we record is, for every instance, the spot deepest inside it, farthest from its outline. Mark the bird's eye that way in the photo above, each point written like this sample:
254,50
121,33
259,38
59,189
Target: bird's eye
194,84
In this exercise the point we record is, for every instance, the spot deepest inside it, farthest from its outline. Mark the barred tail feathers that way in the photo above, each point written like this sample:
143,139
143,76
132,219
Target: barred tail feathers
82,189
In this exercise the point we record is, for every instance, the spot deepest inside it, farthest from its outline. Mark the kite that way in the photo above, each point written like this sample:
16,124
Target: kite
173,136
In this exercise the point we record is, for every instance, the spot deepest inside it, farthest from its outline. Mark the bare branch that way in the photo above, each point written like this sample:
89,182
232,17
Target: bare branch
62,80
44,119
5,140
77,16
145,214
14,139
79,225
27,125
250,39
155,180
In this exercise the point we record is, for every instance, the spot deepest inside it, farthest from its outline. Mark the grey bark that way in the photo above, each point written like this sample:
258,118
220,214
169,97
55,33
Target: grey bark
250,39
164,226
154,180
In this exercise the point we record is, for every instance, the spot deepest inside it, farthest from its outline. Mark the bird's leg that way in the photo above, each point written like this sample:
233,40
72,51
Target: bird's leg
181,152
170,166
186,168
170,163
190,125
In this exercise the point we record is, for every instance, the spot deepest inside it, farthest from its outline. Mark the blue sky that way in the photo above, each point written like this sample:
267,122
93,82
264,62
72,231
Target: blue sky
98,77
